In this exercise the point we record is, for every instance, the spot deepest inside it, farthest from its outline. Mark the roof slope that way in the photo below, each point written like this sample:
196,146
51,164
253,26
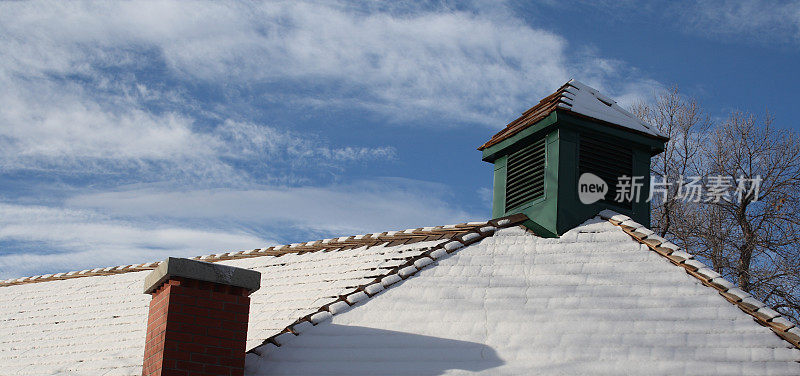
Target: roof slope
512,302
343,243
94,322
581,99
594,301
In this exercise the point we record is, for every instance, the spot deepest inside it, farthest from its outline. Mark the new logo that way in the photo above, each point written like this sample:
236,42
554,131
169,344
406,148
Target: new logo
591,188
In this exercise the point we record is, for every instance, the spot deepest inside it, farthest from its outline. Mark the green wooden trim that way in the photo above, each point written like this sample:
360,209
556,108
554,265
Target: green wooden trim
499,194
560,210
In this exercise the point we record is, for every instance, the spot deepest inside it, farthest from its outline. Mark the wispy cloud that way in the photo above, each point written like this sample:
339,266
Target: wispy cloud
60,128
248,141
110,87
161,113
148,224
83,91
68,239
362,206
773,22
752,20
457,65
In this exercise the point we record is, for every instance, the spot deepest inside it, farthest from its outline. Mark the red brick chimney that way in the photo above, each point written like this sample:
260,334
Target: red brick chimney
197,323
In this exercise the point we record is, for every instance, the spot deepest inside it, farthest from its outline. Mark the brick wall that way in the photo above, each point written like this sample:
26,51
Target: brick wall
196,328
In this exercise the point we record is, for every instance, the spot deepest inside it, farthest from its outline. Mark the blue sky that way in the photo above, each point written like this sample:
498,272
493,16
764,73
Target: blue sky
134,131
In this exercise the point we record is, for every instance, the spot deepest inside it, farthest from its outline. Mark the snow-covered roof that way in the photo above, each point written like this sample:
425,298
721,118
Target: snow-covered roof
608,297
594,301
93,322
577,98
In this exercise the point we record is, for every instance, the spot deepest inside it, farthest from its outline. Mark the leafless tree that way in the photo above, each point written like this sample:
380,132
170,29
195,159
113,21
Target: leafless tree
752,240
757,235
683,121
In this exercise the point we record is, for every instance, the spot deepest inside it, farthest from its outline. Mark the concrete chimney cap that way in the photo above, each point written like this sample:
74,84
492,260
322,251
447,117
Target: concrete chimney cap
202,271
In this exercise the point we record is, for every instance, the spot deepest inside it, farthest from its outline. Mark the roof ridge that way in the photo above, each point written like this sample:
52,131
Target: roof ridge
408,236
384,281
761,313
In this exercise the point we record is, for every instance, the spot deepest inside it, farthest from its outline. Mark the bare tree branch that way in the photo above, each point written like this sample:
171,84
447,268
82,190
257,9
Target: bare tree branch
750,240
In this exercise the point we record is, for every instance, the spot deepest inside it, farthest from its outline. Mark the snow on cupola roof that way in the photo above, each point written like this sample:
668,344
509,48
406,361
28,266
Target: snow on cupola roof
581,99
585,100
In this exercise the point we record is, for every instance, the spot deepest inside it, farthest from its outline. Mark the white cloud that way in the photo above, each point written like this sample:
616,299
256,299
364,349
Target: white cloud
73,80
457,65
111,88
67,108
61,128
60,122
148,224
363,206
79,238
752,20
247,140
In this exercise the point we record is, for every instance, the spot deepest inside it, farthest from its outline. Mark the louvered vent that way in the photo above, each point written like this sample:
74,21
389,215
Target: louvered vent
608,159
525,175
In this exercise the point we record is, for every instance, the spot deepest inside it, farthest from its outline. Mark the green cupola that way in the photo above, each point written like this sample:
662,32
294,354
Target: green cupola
561,161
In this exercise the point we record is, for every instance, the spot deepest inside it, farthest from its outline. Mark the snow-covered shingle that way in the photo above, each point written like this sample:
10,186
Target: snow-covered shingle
591,302
595,301
94,325
81,326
